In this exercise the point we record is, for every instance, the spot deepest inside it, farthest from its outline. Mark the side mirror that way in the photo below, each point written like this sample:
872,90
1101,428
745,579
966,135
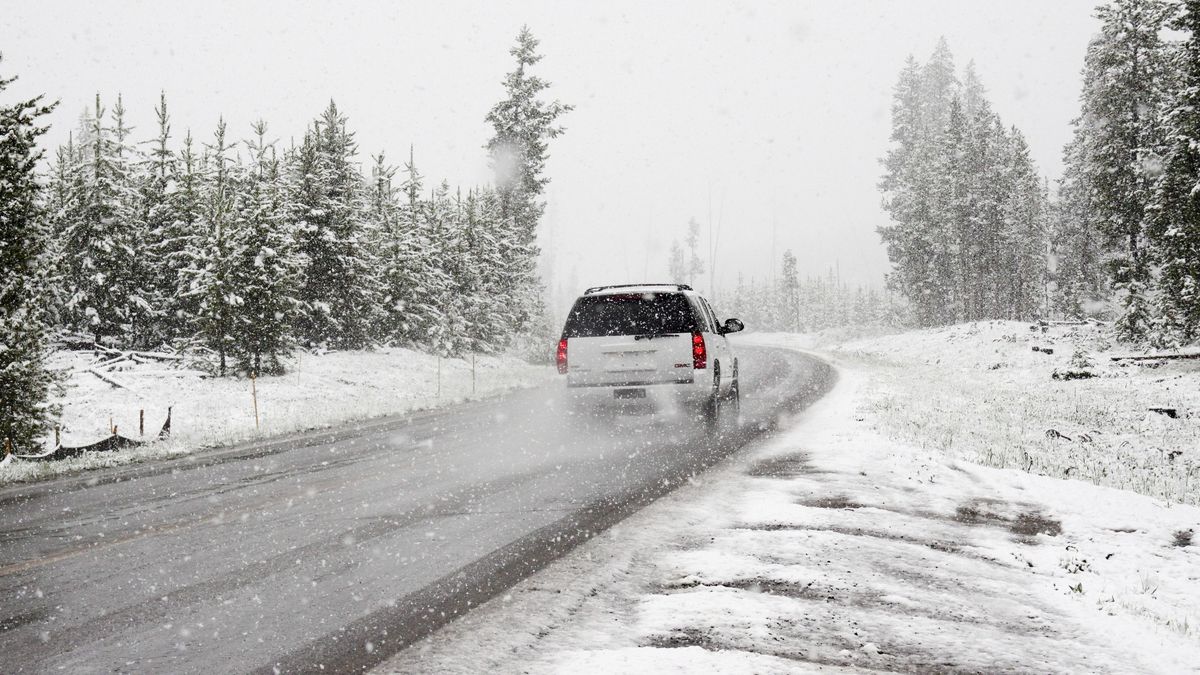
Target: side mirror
732,326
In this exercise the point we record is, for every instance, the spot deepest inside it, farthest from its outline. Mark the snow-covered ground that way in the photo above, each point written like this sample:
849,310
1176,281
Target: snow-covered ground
318,391
837,546
986,392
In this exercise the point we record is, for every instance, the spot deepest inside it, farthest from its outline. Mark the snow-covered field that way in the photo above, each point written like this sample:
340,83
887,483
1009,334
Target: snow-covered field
986,392
839,546
318,391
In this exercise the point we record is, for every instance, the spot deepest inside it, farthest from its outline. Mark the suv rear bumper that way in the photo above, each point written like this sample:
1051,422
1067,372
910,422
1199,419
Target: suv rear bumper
626,384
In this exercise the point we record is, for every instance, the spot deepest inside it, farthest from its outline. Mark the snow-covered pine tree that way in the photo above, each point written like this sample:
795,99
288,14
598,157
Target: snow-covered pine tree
1175,213
136,271
921,248
522,125
1024,235
906,186
265,267
183,255
164,243
695,266
991,186
339,281
100,228
1077,247
414,280
789,294
25,382
60,192
209,276
443,248
391,250
938,86
677,267
1124,76
948,229
488,321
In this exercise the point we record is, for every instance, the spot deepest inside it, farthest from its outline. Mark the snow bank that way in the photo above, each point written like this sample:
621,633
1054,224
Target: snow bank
318,391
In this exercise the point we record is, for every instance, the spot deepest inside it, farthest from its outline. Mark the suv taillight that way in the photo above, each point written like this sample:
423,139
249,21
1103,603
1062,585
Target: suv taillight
562,356
699,352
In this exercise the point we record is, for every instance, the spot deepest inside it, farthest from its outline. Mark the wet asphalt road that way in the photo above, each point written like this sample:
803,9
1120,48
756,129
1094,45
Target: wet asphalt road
333,550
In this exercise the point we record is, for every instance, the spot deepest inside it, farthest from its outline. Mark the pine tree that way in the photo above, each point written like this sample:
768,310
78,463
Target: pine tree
1024,215
339,283
921,242
1175,213
135,267
164,243
209,278
695,266
1077,249
522,125
265,268
906,186
1124,76
392,249
182,250
954,212
100,227
415,280
938,86
25,382
488,324
677,267
789,294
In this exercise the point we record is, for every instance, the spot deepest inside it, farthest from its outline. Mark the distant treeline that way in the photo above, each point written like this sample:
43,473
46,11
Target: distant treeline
810,304
975,233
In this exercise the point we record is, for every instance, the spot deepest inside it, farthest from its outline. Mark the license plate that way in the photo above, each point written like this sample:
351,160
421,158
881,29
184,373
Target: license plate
629,393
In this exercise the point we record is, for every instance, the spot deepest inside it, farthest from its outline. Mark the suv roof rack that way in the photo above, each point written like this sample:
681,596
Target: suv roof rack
597,289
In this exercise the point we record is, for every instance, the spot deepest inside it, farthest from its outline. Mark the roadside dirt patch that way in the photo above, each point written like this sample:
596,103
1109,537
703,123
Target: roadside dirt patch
943,546
783,466
786,589
1026,524
683,637
1033,523
835,502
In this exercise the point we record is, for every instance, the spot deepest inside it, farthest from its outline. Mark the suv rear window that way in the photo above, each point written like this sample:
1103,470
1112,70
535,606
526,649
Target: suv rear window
629,314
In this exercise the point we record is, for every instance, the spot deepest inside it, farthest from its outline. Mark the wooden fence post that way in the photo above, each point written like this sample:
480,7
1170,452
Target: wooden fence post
254,394
7,447
142,422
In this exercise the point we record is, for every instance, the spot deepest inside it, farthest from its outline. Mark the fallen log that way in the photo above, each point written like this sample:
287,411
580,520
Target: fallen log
159,356
1157,357
170,373
109,379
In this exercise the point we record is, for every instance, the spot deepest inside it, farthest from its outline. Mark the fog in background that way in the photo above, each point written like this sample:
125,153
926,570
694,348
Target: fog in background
765,117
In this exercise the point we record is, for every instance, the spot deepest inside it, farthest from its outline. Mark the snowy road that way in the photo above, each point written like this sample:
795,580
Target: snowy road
336,549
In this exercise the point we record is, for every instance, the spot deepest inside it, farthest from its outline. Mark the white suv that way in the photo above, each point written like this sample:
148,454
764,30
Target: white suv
661,338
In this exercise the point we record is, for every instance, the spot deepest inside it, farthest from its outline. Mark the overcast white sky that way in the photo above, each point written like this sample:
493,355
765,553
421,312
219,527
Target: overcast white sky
775,112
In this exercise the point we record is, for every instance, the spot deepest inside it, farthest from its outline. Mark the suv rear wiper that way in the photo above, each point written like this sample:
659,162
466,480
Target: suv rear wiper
651,336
